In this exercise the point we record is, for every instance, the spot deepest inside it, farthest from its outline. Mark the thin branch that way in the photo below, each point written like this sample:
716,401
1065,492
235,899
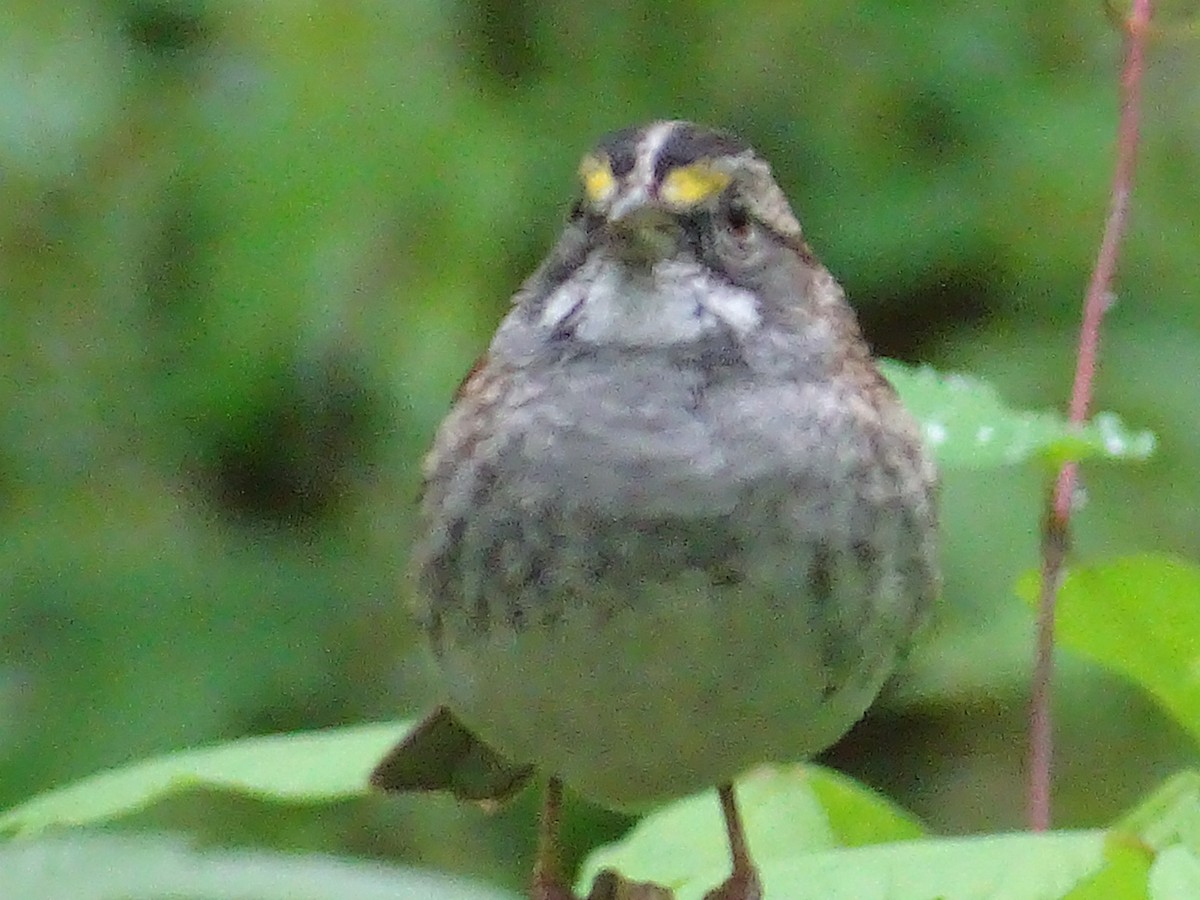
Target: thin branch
1056,527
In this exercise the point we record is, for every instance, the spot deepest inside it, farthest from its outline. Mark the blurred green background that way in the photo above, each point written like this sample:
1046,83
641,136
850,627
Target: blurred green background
247,249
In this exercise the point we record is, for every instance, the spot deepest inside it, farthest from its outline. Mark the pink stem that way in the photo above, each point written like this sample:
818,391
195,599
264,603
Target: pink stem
1056,528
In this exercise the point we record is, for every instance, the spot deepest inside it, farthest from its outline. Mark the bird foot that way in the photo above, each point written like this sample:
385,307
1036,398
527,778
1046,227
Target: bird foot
549,889
609,885
743,885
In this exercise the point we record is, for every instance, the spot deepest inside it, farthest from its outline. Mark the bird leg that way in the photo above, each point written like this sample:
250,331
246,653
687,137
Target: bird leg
743,883
547,880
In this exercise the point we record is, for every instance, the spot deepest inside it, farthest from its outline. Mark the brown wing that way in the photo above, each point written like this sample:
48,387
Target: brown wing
441,754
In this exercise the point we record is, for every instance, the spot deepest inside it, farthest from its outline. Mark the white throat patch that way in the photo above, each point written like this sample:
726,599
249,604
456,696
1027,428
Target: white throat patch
674,302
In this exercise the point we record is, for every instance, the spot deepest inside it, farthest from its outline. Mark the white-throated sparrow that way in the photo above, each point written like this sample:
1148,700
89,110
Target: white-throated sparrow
676,523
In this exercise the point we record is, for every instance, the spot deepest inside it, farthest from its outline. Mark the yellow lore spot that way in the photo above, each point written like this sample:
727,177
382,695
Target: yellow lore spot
689,185
597,177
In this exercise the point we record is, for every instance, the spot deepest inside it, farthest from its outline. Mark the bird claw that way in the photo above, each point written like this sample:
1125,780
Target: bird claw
547,889
744,885
610,885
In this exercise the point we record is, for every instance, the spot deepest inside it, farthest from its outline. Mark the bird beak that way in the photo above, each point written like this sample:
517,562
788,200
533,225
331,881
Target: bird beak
634,199
641,227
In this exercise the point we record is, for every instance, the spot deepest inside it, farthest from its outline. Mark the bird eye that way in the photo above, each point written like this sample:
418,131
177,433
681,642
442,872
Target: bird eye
739,222
737,237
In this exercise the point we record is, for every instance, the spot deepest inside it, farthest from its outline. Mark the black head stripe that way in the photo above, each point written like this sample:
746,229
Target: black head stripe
689,143
621,149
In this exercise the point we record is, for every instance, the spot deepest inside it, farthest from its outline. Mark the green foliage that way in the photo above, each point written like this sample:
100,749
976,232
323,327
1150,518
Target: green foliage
319,767
1154,851
970,427
790,813
815,833
87,866
1016,866
1139,616
245,258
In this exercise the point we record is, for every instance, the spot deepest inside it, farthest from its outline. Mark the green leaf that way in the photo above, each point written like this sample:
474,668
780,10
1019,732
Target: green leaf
1168,817
313,767
1175,875
1152,851
1139,616
1124,874
111,867
995,867
787,810
796,821
968,426
858,816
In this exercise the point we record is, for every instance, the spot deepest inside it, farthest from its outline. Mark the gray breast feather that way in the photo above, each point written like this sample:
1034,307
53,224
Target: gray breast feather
600,477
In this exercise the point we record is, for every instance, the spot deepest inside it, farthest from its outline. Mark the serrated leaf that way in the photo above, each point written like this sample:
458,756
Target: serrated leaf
968,426
1139,616
112,867
311,767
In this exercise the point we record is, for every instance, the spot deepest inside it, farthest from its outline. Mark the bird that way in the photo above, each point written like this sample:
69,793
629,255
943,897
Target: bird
676,524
